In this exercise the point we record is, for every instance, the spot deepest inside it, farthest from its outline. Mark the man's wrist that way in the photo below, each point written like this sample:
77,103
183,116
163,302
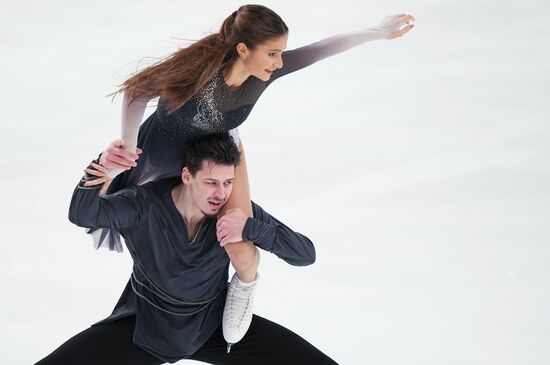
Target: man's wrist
261,233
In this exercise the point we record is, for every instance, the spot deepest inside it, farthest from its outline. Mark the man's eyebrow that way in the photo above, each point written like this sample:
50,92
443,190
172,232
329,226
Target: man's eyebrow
212,179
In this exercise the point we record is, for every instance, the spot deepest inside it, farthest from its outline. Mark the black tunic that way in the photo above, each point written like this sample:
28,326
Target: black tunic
177,289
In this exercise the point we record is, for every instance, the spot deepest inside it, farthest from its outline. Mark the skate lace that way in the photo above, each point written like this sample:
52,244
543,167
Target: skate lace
240,298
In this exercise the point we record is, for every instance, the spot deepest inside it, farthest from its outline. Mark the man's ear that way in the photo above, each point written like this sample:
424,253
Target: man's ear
242,50
185,175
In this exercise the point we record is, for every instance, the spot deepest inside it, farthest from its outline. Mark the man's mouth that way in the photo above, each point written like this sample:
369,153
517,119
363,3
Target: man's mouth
215,204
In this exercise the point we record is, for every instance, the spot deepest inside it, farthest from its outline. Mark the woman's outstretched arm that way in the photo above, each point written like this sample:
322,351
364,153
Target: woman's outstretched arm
393,26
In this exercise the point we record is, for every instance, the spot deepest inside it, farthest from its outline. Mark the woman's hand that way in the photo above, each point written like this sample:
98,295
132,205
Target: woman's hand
102,178
117,157
396,25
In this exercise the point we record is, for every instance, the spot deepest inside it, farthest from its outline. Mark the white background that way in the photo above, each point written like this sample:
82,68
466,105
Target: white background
420,168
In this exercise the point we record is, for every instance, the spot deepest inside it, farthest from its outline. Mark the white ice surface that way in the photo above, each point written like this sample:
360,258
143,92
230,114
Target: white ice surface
420,167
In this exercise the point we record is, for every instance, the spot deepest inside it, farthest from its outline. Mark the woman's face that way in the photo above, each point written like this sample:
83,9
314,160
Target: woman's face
266,58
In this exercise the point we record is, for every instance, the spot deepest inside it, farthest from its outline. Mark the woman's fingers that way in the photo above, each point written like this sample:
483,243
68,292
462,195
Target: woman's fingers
98,167
94,172
400,32
95,182
406,18
105,186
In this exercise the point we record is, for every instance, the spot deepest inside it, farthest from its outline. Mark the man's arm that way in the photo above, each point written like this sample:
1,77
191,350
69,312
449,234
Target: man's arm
89,209
271,235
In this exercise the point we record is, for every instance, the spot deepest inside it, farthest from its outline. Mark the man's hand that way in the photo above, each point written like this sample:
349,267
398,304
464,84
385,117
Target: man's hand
117,157
230,227
102,178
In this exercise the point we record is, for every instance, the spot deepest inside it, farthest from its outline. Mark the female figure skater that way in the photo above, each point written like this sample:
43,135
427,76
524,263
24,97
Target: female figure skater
212,86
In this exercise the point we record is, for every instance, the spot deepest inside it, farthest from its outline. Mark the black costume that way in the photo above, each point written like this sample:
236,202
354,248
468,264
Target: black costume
215,108
178,288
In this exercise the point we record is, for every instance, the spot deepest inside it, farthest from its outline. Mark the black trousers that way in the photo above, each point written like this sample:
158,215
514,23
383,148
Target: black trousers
265,343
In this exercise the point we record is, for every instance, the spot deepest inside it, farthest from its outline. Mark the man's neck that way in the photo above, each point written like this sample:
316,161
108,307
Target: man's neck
192,216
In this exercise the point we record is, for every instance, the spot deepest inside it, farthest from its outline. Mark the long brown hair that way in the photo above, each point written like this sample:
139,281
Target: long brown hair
180,75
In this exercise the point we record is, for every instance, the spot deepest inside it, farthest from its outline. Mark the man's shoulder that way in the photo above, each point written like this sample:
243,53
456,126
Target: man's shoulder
166,183
153,188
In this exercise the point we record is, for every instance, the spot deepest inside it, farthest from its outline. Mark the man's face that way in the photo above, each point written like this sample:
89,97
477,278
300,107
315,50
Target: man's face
210,187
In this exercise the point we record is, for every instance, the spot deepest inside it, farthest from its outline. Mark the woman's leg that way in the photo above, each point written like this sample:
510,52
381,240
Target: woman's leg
244,256
109,343
265,343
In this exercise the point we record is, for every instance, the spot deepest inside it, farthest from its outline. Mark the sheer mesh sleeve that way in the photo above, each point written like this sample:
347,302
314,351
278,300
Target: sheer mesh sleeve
296,59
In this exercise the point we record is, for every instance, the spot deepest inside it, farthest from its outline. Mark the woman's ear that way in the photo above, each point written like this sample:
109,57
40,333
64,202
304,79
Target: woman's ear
242,50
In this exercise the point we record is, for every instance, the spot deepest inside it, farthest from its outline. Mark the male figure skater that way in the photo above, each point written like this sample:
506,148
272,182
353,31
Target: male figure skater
172,306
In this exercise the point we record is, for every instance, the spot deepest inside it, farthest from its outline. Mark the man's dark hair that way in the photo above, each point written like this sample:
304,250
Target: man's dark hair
218,148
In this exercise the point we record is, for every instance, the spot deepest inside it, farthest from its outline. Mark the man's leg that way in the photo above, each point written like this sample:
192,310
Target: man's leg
105,344
265,343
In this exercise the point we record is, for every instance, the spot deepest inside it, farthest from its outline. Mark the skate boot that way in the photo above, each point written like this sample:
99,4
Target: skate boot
237,314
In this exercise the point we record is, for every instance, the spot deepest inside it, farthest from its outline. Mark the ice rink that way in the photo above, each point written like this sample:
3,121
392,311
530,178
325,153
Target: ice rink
419,167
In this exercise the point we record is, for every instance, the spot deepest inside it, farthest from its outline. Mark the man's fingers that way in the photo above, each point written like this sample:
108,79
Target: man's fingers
224,241
127,154
112,165
123,153
221,222
118,143
118,162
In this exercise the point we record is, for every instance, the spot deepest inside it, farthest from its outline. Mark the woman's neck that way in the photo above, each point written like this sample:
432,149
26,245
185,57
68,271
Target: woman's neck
236,74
